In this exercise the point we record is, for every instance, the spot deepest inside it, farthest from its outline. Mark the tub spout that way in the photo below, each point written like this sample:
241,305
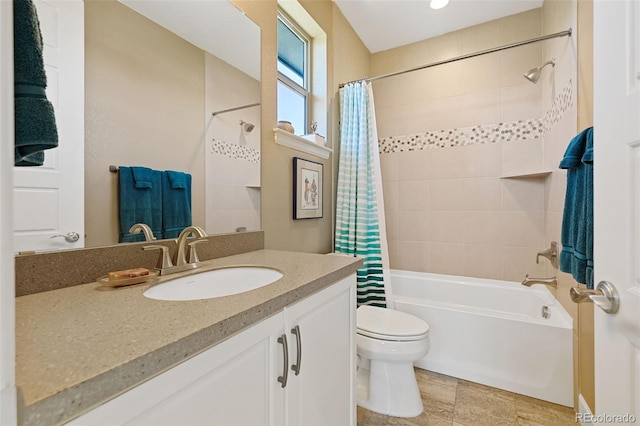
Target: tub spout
551,282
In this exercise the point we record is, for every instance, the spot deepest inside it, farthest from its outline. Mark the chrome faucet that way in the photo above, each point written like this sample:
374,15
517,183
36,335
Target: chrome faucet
138,227
551,282
181,262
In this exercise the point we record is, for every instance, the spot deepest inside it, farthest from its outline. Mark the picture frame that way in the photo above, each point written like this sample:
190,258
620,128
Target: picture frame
307,189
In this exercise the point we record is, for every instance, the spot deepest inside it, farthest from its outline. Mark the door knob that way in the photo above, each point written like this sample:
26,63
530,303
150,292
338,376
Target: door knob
70,237
605,296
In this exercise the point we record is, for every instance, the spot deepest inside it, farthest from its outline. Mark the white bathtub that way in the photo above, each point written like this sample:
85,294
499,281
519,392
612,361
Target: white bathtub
492,332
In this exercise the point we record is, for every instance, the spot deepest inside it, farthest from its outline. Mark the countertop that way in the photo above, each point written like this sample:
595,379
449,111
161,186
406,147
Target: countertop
80,346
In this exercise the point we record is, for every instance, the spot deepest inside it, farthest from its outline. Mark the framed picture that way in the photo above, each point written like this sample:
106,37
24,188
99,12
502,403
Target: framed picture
307,189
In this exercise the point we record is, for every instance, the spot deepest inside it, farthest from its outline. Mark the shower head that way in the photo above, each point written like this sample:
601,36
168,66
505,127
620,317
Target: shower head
533,75
247,127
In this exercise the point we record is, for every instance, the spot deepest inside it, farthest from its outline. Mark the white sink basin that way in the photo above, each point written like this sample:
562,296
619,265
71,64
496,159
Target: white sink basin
215,283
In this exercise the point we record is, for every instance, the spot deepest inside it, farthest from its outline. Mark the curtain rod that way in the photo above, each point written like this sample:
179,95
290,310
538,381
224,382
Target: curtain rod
235,109
466,56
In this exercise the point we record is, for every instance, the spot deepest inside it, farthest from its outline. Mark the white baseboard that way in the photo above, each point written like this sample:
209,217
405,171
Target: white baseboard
583,408
9,406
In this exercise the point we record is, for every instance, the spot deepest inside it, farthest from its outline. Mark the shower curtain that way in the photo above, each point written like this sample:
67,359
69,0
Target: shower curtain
360,229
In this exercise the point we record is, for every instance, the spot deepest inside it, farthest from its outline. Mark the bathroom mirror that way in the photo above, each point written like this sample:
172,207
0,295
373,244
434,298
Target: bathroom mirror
155,72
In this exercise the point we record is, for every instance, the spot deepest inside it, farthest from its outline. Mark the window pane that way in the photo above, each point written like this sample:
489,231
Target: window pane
291,52
291,107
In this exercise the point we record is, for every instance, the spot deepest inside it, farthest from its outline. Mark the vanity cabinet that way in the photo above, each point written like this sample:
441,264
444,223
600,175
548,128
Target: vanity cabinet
242,380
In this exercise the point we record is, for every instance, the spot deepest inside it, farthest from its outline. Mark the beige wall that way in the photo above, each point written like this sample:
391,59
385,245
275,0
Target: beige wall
137,113
281,231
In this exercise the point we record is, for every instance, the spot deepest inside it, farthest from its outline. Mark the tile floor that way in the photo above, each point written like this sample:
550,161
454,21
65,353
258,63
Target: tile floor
454,402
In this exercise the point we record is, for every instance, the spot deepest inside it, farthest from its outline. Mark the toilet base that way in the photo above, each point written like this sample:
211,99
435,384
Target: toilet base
388,388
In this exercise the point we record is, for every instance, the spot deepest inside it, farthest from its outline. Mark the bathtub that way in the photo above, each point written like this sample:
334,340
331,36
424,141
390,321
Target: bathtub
492,332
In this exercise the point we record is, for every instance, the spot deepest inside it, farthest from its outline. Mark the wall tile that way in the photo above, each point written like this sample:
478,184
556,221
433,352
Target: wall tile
445,163
413,226
443,81
519,261
483,261
389,167
446,259
390,192
555,191
391,223
387,121
413,195
447,195
523,229
481,73
482,107
413,165
482,194
482,228
523,194
480,37
521,157
385,92
442,113
516,62
521,102
482,160
413,256
445,227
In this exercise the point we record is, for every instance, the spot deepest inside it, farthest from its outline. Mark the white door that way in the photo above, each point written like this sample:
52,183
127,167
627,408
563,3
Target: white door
49,199
617,206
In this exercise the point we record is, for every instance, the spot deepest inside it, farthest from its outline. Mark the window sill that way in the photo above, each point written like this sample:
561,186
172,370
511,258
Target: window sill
301,144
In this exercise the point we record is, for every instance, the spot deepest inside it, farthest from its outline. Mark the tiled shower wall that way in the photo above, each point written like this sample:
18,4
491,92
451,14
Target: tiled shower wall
450,134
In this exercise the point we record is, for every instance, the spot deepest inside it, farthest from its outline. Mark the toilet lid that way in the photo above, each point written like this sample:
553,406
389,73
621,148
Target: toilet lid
389,324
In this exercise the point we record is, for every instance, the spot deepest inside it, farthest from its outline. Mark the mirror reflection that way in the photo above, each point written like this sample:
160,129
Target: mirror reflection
156,71
154,74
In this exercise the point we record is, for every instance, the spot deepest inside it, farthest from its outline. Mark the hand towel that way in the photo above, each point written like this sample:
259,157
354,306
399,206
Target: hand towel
176,203
576,256
35,123
140,200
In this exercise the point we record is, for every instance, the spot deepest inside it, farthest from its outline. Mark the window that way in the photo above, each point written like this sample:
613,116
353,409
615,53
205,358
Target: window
293,75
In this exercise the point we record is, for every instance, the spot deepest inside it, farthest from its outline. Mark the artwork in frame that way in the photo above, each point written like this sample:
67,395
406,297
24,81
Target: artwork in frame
307,189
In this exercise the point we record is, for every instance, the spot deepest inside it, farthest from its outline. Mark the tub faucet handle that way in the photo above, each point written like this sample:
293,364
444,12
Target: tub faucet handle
550,253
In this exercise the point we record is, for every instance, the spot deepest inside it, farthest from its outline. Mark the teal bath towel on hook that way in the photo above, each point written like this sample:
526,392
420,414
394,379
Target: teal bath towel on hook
576,257
35,123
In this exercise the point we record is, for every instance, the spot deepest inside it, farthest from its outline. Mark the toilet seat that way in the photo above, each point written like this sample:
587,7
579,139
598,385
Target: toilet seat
389,324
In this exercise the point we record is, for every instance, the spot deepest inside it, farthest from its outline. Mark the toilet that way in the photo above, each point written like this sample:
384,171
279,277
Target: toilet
388,342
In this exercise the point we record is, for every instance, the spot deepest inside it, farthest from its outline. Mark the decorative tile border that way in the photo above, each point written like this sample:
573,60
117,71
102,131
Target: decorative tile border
484,133
234,151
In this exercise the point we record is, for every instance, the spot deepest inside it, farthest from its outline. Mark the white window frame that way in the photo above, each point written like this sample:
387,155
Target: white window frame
305,89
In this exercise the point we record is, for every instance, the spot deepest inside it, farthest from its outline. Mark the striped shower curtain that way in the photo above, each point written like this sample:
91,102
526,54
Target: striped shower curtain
359,221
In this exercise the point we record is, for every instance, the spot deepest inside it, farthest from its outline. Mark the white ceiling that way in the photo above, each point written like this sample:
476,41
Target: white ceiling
385,24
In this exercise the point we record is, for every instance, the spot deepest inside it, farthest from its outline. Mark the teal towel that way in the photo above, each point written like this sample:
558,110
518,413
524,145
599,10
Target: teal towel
176,203
140,201
576,257
35,122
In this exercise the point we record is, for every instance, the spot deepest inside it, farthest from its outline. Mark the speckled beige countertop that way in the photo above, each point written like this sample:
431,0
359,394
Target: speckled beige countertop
80,346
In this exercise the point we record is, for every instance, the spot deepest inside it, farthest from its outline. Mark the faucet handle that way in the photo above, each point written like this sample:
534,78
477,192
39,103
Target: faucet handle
165,260
550,253
193,254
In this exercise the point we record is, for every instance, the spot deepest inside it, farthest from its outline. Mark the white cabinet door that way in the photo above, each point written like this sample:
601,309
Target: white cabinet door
322,342
229,384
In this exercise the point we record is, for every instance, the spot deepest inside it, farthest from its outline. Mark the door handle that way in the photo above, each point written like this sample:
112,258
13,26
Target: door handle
605,296
296,332
285,369
70,237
